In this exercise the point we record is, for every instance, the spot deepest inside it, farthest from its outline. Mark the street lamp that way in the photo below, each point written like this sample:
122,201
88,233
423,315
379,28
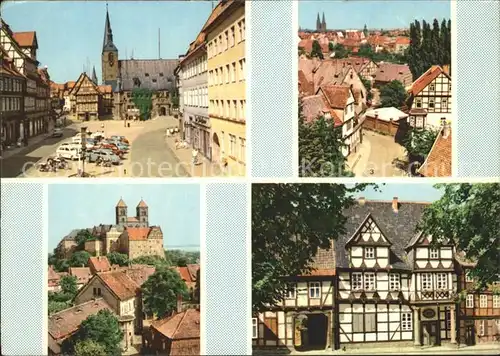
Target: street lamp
83,134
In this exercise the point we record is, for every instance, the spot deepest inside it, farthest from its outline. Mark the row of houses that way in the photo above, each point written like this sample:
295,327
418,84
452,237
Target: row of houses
24,88
103,286
381,284
211,83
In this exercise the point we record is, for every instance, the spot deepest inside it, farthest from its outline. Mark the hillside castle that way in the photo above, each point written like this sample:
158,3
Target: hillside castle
132,236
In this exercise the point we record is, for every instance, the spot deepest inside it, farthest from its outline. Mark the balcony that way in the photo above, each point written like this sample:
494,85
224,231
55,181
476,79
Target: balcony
427,295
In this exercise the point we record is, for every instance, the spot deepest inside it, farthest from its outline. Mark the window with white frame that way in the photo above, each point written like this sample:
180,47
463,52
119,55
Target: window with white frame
483,301
406,322
427,281
357,281
255,328
434,253
394,281
369,281
496,301
441,281
369,252
228,73
469,302
314,290
431,103
481,328
418,102
291,292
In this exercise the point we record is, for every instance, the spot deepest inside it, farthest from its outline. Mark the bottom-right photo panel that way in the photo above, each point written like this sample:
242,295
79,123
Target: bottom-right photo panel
376,268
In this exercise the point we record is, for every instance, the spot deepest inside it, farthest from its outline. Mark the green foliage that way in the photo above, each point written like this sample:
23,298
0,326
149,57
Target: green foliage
196,296
60,265
79,259
175,101
116,258
143,100
102,328
316,50
289,223
366,50
418,143
160,292
68,285
429,46
331,46
89,348
468,215
393,94
156,261
340,51
368,86
320,148
60,297
182,258
82,237
55,307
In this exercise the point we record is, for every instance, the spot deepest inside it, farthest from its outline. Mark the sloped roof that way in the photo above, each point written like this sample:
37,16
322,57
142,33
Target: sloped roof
399,228
153,74
99,263
425,79
82,274
336,95
121,204
142,204
387,72
185,325
119,283
193,270
313,106
25,39
438,162
139,273
52,275
137,233
330,71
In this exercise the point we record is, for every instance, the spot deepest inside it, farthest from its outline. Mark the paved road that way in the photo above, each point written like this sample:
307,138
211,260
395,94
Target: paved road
12,167
151,157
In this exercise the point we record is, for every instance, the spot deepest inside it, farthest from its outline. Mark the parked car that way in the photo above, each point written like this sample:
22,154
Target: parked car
70,145
97,135
112,147
119,138
120,145
88,145
104,154
69,152
57,132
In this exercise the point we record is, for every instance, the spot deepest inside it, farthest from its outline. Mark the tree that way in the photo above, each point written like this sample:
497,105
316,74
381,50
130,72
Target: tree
181,258
197,287
320,148
102,328
418,143
436,44
467,214
55,307
79,259
340,51
161,290
368,86
393,94
68,285
316,50
82,237
156,261
290,222
331,47
116,258
60,297
414,55
365,50
143,100
89,348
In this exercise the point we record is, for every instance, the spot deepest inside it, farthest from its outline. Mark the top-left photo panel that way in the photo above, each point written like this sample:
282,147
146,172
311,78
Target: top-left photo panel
123,89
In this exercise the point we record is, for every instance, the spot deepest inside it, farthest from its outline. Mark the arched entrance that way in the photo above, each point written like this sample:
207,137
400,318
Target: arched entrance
215,148
163,111
310,331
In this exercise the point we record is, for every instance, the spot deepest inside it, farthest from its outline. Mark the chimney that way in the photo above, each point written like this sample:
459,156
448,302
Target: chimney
395,204
361,201
179,303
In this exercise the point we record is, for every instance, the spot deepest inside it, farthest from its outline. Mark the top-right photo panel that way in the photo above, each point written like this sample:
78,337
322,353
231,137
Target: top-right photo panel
375,89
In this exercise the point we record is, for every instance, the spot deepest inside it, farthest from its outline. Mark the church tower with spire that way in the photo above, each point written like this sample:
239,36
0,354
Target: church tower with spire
323,23
109,58
318,24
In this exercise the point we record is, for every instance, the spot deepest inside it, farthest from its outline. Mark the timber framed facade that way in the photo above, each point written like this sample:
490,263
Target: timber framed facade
385,285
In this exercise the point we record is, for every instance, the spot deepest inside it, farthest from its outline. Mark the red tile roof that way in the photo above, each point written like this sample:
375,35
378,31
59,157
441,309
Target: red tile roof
403,40
53,274
336,95
120,284
139,273
193,270
25,39
305,87
105,89
138,233
82,274
99,264
307,45
132,219
185,325
184,273
425,79
142,204
387,72
438,162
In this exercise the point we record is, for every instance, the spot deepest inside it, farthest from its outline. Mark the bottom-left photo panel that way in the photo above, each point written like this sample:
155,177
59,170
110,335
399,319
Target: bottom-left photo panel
123,269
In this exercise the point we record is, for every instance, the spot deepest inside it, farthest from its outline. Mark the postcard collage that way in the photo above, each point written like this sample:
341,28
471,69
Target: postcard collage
373,243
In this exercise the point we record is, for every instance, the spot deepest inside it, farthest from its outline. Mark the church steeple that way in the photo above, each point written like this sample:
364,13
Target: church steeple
318,24
94,76
107,42
323,23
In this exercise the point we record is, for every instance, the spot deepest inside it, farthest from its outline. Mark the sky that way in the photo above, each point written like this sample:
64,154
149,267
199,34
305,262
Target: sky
354,14
174,207
414,192
70,33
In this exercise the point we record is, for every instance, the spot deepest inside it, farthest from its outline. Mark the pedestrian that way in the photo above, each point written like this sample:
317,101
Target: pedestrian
194,153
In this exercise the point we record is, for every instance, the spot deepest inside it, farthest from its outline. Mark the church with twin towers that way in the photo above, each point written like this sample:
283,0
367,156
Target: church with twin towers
321,24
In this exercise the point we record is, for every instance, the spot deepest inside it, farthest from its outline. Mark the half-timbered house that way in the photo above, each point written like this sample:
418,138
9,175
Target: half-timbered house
430,98
87,98
433,291
304,318
479,309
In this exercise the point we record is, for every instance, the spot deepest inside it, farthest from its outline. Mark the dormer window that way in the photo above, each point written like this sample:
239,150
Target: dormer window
433,253
147,74
369,252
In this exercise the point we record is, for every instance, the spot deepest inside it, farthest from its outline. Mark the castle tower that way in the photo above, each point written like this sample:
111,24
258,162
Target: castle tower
121,213
323,23
109,58
142,214
318,24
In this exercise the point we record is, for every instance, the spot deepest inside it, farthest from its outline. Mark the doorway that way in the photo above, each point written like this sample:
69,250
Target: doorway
216,148
470,335
311,332
430,333
163,111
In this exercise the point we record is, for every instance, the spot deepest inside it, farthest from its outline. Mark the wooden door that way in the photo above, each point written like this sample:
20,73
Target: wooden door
470,337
